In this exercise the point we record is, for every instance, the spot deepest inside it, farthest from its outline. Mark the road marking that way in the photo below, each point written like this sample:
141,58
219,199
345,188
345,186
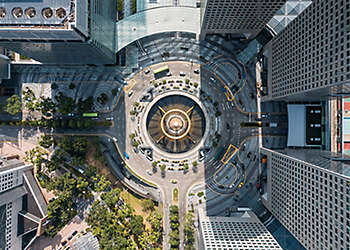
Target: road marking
130,85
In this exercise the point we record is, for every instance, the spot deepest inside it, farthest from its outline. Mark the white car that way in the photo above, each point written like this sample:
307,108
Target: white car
109,118
130,93
182,73
149,172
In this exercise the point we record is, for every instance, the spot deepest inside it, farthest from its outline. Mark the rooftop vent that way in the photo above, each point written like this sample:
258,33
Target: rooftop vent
2,12
60,13
47,13
17,12
30,12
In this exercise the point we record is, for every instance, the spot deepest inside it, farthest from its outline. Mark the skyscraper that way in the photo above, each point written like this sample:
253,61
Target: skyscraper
242,231
310,58
308,191
245,18
22,206
60,32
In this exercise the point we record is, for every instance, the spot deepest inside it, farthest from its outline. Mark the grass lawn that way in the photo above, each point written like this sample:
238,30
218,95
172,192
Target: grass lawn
101,167
136,204
175,195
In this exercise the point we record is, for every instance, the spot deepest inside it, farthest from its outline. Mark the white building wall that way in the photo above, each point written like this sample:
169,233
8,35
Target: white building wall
312,53
313,203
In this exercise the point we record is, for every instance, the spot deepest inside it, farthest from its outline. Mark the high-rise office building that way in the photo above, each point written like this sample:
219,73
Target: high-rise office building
22,206
308,191
310,58
60,32
242,231
240,17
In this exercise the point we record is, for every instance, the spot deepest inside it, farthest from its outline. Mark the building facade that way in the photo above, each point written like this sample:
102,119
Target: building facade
242,231
310,58
241,17
22,207
308,191
60,32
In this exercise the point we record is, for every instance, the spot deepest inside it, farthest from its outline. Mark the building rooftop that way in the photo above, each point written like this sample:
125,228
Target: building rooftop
242,231
86,242
36,13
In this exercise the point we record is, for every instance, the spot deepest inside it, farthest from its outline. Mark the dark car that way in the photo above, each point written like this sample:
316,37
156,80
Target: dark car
63,243
74,233
70,237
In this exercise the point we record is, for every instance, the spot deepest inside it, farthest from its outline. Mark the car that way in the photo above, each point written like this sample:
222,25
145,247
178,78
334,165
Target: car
130,93
126,156
196,71
227,126
240,184
69,238
258,119
109,118
70,114
264,115
63,243
249,154
149,172
147,71
212,79
182,73
168,74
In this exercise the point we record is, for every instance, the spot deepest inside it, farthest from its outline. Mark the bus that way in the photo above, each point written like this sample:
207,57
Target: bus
90,114
161,69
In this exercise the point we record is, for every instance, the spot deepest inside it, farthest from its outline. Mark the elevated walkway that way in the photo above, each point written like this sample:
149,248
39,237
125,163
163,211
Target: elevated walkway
157,20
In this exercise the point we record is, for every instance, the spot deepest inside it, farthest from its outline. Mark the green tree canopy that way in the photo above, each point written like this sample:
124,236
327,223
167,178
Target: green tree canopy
14,105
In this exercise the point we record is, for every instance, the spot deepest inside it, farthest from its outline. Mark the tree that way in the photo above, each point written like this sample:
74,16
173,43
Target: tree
195,84
154,164
162,167
189,231
72,124
46,141
102,99
195,164
147,205
14,105
46,106
65,104
82,187
217,113
54,86
85,105
186,166
174,238
111,198
71,86
101,183
136,225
